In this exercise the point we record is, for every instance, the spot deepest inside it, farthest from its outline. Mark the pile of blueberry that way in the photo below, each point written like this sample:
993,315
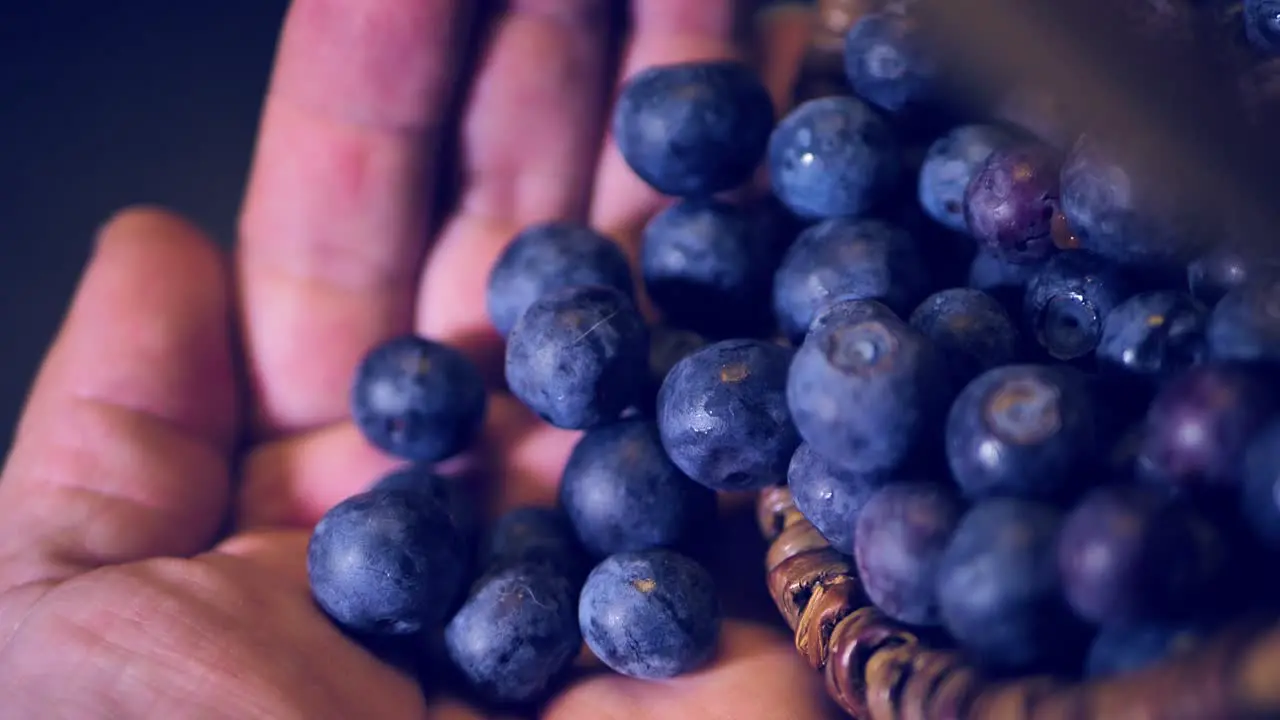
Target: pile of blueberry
1035,402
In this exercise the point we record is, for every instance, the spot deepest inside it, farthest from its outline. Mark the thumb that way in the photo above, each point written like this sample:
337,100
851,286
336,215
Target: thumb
122,452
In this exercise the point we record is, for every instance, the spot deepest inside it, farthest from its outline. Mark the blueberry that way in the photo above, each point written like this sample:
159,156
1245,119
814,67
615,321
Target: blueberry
899,537
1067,302
829,496
951,162
709,268
547,257
579,356
446,491
1200,422
887,63
418,399
1129,553
1011,202
1117,214
842,259
693,129
1260,482
970,328
1262,25
516,634
386,562
1154,334
1023,430
668,346
1245,324
833,157
722,415
530,535
999,593
865,389
651,614
623,494
1223,269
1120,649
1003,280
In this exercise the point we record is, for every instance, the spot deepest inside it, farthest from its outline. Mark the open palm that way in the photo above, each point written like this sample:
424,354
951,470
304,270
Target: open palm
183,391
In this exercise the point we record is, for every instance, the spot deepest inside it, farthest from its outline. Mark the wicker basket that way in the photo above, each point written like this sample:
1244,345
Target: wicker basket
876,668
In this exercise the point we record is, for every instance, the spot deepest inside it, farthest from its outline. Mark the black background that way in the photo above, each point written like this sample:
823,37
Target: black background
105,104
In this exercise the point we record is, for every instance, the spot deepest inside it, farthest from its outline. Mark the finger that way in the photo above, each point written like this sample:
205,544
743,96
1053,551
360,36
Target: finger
663,32
292,483
784,32
762,659
531,134
336,214
122,453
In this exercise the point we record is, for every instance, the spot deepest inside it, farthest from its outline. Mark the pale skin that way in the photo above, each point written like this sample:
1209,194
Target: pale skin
187,387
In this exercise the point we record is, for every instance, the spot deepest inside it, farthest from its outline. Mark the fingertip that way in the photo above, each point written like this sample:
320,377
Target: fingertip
149,327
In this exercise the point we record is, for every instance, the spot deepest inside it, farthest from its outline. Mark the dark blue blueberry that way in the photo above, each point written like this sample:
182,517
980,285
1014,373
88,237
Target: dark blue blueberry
833,157
1068,301
1011,202
447,491
945,253
1245,324
548,257
1260,481
386,562
1129,553
579,356
950,164
865,389
1154,334
842,259
1262,25
623,494
693,129
971,329
888,64
722,415
650,615
998,589
516,634
1223,269
1121,649
829,496
667,346
1023,430
708,266
1118,214
1003,280
418,399
1201,421
899,537
531,535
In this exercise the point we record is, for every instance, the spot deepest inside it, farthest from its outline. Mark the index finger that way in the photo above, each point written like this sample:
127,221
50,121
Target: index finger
335,220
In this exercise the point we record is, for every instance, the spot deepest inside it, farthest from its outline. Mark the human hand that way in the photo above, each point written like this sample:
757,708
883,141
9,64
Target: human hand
182,392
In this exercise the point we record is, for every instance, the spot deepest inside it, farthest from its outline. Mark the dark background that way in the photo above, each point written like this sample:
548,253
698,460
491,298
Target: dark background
107,103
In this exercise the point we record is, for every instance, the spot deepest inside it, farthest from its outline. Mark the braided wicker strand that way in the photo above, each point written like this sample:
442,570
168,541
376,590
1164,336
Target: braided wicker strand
877,669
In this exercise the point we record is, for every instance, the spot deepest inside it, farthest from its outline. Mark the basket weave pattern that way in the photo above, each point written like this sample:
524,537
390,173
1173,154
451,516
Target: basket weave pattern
878,669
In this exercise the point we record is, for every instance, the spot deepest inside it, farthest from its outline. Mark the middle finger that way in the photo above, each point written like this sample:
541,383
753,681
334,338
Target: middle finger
530,133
